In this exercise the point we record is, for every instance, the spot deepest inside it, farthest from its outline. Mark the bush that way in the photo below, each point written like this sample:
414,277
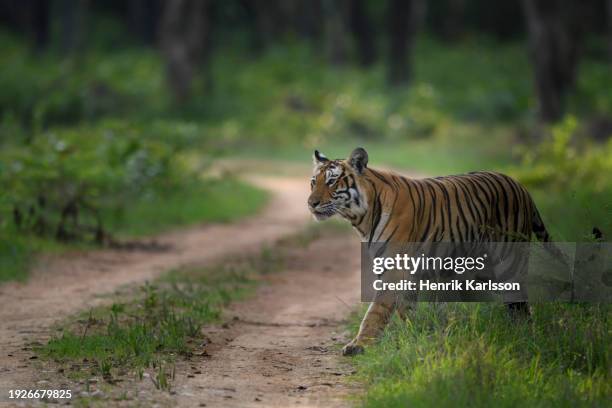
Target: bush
40,91
564,161
62,180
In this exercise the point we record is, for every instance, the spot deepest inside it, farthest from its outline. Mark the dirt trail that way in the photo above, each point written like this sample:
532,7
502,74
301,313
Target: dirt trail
281,349
278,352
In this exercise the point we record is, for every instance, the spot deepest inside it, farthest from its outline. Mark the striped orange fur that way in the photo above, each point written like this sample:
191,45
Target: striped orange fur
384,206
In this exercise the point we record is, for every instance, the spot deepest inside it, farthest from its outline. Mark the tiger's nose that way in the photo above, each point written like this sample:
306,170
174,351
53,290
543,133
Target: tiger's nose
313,203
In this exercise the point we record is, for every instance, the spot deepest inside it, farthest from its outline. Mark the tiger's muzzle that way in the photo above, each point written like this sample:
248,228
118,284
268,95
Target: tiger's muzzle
321,211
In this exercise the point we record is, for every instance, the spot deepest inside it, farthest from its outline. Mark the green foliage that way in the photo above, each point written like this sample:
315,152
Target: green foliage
455,355
214,200
591,97
97,130
307,102
15,255
62,180
287,95
91,183
564,160
44,90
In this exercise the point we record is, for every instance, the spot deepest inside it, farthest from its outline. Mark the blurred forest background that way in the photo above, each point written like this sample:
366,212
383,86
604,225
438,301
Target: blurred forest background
113,112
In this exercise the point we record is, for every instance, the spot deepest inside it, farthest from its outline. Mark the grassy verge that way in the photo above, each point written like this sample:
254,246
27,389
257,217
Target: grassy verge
154,325
458,148
18,252
456,355
14,258
220,200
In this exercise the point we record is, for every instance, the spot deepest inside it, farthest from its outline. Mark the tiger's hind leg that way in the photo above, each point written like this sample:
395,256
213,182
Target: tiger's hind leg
514,269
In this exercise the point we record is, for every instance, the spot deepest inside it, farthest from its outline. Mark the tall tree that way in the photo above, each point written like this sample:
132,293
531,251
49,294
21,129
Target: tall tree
363,31
309,18
404,19
74,17
554,34
609,21
40,23
336,30
183,35
30,17
268,20
143,19
454,23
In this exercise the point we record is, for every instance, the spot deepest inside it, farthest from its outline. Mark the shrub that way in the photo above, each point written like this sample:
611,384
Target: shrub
564,161
61,181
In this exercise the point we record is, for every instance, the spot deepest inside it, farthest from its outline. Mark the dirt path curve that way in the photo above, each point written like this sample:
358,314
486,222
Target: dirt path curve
277,350
282,348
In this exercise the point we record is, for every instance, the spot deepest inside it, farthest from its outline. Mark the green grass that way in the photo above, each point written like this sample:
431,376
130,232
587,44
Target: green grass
458,149
221,200
474,355
151,328
18,253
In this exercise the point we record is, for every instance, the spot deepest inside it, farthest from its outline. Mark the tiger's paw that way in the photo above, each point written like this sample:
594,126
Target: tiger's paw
352,349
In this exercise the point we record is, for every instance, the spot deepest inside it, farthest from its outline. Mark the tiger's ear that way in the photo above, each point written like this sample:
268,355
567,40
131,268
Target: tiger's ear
319,158
358,159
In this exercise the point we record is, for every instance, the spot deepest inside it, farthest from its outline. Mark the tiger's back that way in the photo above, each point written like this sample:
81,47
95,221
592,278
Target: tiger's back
474,207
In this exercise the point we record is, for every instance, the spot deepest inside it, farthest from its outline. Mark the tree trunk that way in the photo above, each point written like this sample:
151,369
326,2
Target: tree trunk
402,18
609,4
308,19
40,23
454,21
74,20
143,18
336,37
183,36
553,37
363,32
270,21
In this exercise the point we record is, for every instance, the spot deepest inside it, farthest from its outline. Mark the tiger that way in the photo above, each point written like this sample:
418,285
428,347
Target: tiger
383,206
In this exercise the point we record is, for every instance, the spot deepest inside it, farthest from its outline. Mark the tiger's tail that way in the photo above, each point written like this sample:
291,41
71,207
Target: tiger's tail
541,233
538,227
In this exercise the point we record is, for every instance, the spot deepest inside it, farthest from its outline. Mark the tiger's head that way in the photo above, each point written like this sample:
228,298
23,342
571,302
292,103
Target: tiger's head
337,187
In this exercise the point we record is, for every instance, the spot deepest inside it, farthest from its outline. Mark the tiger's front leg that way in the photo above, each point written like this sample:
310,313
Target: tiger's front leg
373,323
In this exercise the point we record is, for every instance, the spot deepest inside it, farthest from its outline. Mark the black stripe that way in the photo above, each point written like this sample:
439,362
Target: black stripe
502,190
445,191
461,216
414,208
380,177
433,204
482,218
468,200
376,217
494,204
